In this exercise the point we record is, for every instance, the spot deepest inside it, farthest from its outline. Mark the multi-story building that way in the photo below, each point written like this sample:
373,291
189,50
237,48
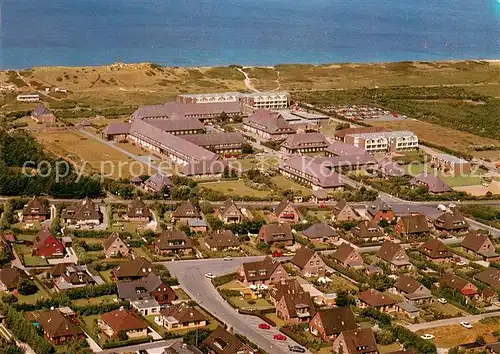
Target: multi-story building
268,125
308,171
384,141
269,100
174,111
451,164
304,142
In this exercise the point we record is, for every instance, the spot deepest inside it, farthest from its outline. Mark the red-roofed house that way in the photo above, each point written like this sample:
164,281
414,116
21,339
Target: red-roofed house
47,245
115,322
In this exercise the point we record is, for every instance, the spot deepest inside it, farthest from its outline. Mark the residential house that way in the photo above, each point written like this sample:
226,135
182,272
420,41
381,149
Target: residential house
85,212
371,270
173,242
179,347
320,233
356,341
146,307
407,309
394,255
75,276
295,307
221,341
383,142
181,317
488,296
340,135
289,285
47,245
115,247
375,299
412,225
197,225
434,184
229,213
304,142
10,277
368,231
222,241
42,114
136,181
465,287
452,221
412,290
380,210
493,348
37,209
115,322
480,245
348,256
134,269
276,233
262,272
435,251
490,276
285,212
308,262
344,212
268,125
328,323
58,328
148,287
319,196
157,183
184,212
139,211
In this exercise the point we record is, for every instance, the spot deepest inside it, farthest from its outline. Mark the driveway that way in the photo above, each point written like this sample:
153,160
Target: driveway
137,347
191,277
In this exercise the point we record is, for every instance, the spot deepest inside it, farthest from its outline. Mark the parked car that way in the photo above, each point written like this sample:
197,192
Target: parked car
209,276
264,326
279,337
467,325
442,300
427,336
228,258
296,349
277,254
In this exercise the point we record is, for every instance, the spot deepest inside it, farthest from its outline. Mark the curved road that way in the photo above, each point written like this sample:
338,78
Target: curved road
191,277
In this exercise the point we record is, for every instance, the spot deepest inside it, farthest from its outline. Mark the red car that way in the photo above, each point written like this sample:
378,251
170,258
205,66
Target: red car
277,254
264,326
279,337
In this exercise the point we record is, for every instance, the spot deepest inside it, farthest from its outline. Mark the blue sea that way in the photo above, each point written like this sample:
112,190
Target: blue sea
247,32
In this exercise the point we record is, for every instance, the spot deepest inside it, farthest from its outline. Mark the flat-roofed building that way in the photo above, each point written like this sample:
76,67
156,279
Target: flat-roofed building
384,141
450,163
270,100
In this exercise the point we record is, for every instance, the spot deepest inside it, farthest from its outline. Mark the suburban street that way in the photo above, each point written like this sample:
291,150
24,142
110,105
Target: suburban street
136,348
191,277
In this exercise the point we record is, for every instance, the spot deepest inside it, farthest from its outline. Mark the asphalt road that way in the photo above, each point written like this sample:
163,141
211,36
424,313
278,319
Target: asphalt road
191,277
450,321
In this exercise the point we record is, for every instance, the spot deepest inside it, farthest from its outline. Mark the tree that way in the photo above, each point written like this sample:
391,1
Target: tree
342,126
122,335
247,149
206,207
195,337
27,287
344,299
385,337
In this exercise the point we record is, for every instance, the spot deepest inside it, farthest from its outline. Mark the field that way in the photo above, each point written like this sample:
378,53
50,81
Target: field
234,188
284,183
452,181
95,155
450,336
443,136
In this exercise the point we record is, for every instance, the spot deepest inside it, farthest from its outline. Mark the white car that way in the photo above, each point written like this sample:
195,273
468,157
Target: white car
442,300
228,258
427,336
467,325
461,263
209,276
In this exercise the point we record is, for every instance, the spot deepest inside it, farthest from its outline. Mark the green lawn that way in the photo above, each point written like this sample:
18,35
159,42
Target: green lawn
29,260
140,252
31,299
181,294
452,181
279,322
25,238
233,285
239,302
321,214
234,188
389,348
95,300
106,275
284,183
